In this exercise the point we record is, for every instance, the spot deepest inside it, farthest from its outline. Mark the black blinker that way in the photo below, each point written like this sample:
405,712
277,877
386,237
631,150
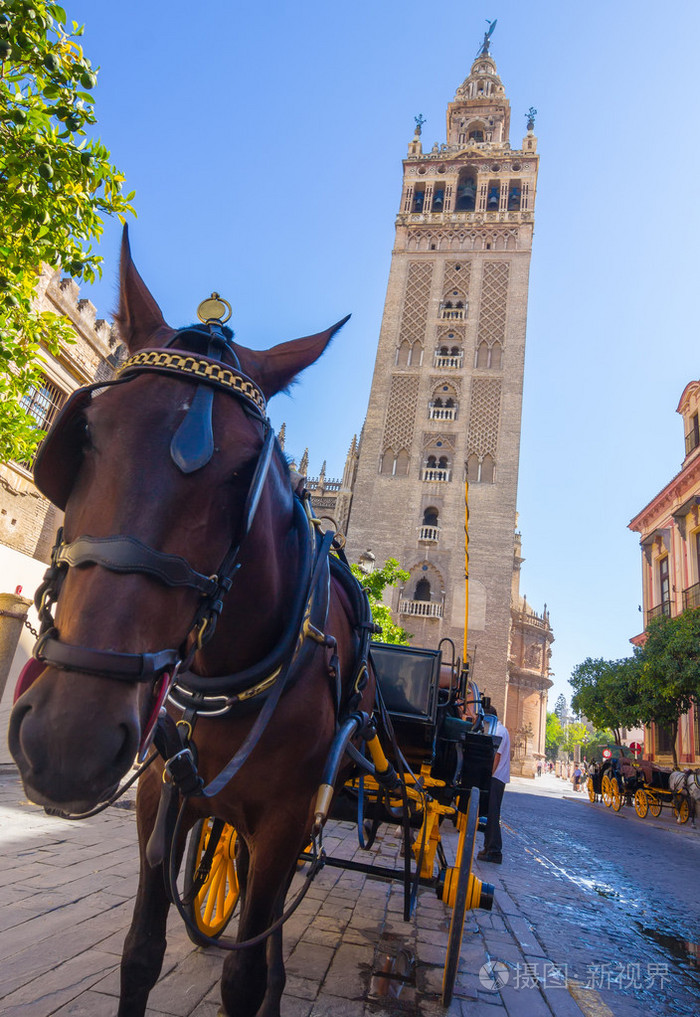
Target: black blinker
192,445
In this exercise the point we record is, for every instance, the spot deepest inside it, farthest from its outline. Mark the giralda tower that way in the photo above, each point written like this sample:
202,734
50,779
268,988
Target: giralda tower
447,389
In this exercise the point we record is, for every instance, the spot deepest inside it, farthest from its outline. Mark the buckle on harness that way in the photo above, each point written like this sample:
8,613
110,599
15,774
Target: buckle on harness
182,771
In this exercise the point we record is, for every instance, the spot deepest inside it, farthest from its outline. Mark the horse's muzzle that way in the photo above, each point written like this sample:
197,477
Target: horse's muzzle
71,749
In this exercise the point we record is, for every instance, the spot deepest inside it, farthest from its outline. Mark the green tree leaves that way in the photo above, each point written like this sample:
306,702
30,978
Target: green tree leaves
375,583
607,693
658,684
55,188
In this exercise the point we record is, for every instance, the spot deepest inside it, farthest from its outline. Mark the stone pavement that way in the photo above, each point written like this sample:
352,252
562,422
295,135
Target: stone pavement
68,890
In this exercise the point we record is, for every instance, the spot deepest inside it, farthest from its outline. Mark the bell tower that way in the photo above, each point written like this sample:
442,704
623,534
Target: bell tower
446,394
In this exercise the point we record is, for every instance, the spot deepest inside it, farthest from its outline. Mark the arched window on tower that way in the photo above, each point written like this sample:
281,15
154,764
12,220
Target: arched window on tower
422,591
430,516
418,198
429,532
401,468
487,470
488,357
466,192
443,404
514,195
481,470
493,200
403,354
436,469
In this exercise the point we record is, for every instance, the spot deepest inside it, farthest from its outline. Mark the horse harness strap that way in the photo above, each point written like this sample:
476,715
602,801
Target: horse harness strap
128,554
182,767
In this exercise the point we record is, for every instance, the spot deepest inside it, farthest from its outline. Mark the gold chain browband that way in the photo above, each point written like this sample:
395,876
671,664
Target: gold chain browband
199,368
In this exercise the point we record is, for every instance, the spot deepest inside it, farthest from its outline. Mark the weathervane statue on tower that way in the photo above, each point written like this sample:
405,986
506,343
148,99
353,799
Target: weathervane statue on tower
485,46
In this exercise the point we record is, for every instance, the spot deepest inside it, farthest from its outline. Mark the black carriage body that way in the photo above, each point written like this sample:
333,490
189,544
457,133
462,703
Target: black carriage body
428,723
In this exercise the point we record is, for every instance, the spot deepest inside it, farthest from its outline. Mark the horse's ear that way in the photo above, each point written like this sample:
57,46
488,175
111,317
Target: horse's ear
277,368
139,317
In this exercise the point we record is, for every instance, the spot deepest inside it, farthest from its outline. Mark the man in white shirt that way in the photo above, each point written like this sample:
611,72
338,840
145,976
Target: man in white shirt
500,776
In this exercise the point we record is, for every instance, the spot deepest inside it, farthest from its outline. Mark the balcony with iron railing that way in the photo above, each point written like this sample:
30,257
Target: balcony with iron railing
432,473
692,440
691,597
665,609
442,412
420,608
429,534
451,361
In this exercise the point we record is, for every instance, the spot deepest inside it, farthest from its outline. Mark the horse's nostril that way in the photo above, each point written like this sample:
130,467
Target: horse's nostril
129,747
25,739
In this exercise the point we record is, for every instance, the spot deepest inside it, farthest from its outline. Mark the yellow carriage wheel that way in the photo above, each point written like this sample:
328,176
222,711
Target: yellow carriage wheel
591,790
654,806
215,901
641,804
615,794
605,790
462,890
681,810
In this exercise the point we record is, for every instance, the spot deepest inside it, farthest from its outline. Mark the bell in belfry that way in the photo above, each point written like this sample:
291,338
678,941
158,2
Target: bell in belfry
493,200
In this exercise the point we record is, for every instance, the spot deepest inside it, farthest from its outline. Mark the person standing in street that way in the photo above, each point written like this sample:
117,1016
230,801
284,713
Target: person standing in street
500,776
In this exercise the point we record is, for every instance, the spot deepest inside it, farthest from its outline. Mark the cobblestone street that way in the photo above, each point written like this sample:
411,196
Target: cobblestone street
579,888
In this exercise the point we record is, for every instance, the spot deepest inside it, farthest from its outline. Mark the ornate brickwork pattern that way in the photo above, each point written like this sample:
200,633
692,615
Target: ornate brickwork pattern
401,413
453,335
494,294
437,381
447,441
464,240
415,308
456,278
484,416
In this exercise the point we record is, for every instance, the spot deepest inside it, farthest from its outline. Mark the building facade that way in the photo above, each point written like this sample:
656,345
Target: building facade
669,530
28,522
529,656
446,394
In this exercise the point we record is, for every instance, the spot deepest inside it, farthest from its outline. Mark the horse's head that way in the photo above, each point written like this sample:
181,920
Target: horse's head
162,476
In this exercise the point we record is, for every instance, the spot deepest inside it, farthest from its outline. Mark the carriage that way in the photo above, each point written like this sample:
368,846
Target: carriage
621,779
440,745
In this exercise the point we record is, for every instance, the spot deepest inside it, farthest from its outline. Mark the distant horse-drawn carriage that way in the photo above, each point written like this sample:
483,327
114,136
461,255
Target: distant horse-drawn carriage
620,779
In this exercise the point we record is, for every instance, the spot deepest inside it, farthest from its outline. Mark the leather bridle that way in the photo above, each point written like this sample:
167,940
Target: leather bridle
191,448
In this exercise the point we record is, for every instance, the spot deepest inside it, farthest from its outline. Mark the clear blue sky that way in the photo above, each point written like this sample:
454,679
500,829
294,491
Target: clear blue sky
264,143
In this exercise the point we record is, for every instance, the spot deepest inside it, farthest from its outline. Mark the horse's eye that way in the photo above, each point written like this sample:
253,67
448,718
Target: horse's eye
84,435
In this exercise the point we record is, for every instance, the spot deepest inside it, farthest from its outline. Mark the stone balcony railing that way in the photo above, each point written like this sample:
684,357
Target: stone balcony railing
420,608
441,361
429,534
443,412
438,475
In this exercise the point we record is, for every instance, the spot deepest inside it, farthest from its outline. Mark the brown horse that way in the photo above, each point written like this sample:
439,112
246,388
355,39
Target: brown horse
157,468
